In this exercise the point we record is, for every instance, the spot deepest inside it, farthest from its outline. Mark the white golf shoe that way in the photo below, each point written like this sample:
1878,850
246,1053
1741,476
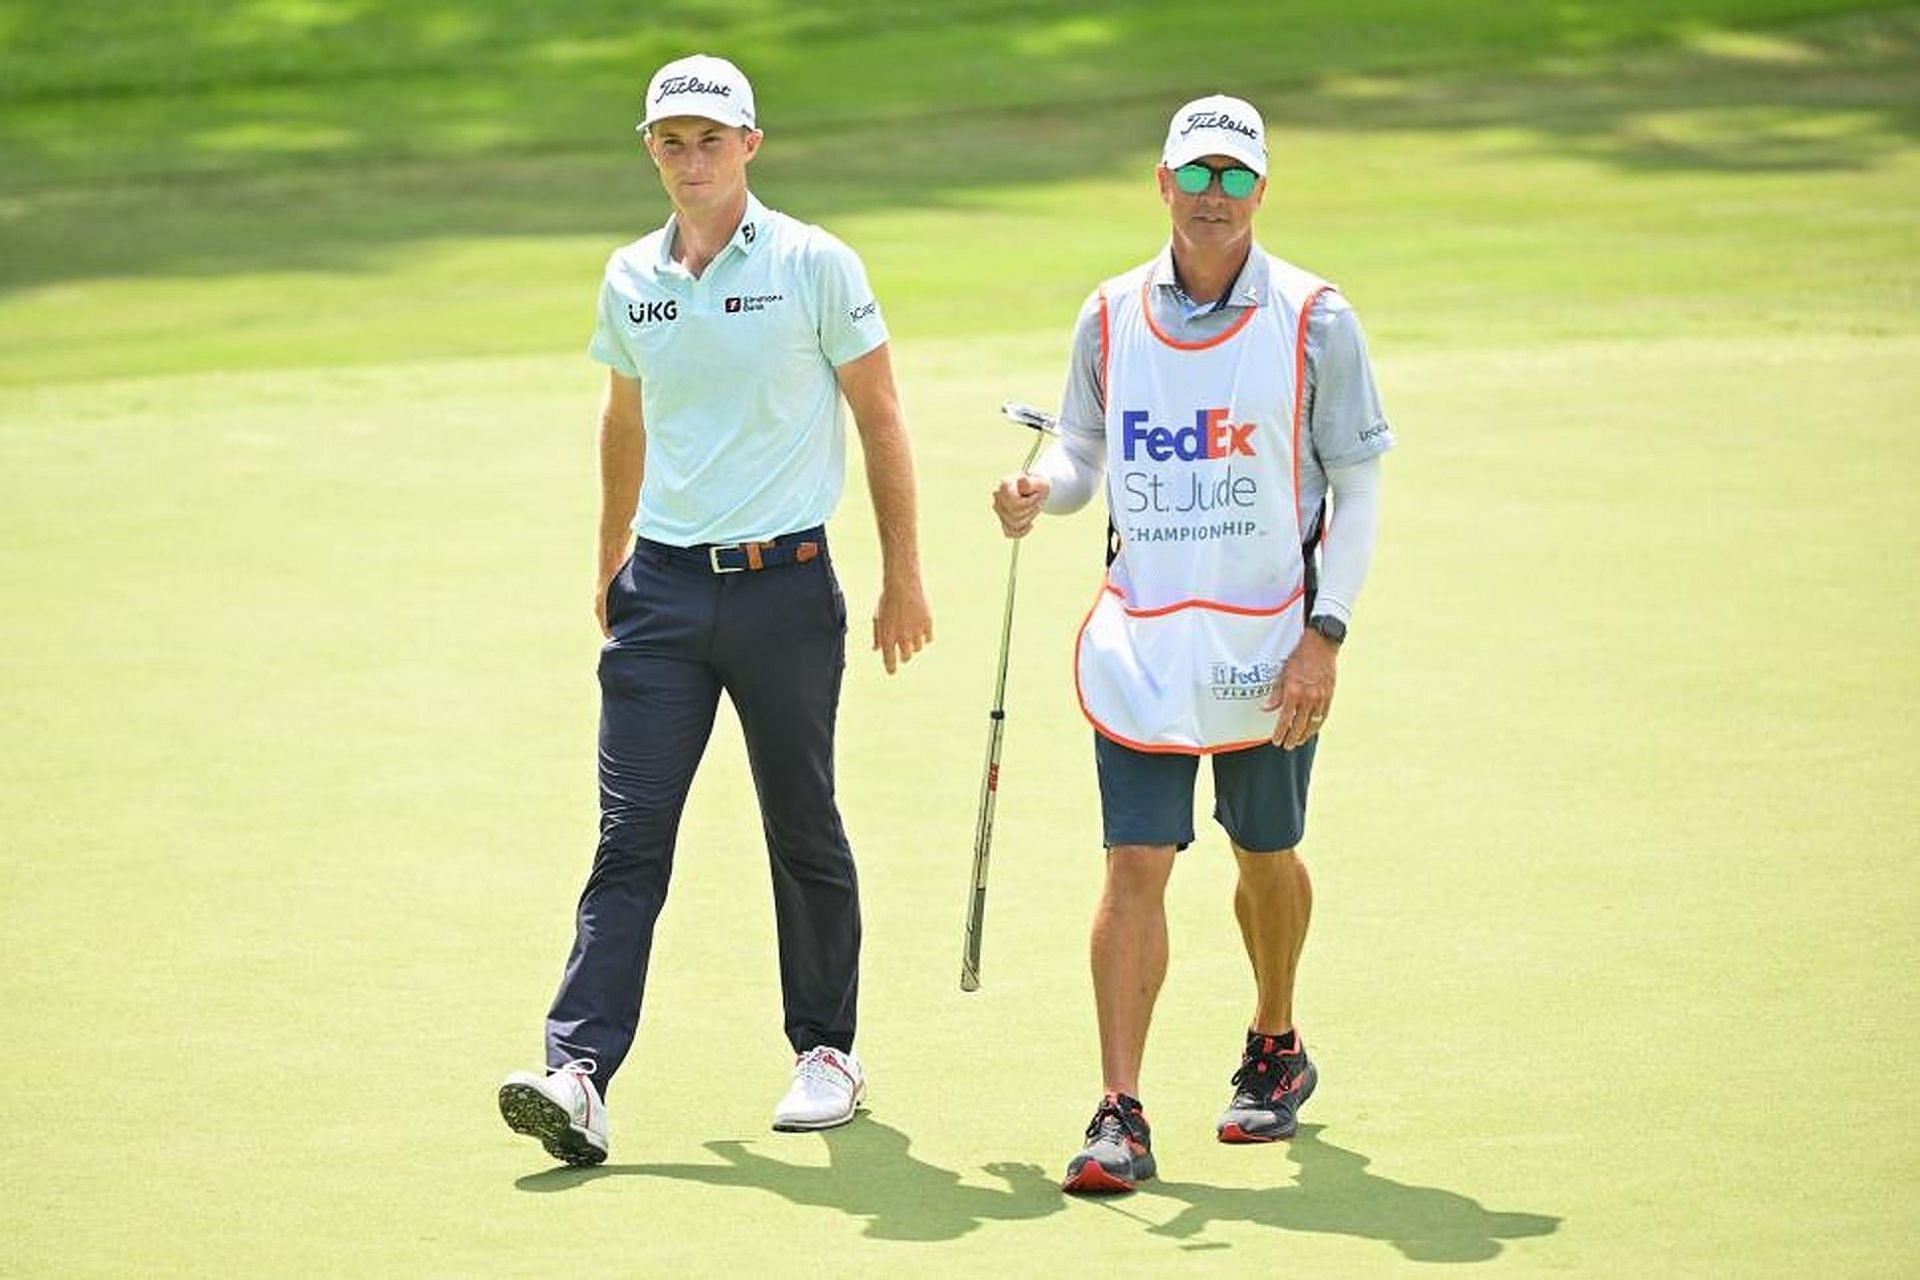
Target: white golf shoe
828,1088
562,1109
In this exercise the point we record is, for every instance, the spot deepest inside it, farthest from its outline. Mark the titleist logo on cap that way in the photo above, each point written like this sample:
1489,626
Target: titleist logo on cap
691,84
1218,120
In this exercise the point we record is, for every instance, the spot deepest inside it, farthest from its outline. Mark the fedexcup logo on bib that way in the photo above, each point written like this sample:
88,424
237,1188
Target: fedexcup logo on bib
1232,683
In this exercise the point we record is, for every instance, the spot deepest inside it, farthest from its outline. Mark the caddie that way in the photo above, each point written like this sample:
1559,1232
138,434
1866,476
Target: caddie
1224,400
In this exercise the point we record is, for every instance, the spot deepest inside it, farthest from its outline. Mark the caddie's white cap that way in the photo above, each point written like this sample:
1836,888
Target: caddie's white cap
1217,126
701,85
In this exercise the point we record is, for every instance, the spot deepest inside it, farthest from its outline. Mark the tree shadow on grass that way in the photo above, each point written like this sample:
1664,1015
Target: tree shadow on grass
275,166
869,1174
1335,1195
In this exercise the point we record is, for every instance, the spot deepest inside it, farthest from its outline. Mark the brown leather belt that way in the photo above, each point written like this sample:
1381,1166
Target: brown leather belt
746,557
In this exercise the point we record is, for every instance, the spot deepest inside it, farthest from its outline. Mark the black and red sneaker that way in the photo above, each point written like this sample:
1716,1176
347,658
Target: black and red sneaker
1274,1078
1119,1150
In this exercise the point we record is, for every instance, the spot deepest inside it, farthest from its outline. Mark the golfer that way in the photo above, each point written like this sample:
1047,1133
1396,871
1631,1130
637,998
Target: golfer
730,334
1226,399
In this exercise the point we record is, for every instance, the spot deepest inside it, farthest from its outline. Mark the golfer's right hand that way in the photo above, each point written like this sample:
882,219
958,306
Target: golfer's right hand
1017,501
600,605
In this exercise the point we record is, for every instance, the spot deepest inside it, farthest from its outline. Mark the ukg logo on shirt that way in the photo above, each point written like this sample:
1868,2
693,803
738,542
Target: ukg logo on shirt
653,312
1210,436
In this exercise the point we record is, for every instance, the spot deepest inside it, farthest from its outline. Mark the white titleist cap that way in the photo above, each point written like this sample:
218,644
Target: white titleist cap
1217,126
701,85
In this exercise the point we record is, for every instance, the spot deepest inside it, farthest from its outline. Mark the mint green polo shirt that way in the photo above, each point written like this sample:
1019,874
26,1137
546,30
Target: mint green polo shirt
745,437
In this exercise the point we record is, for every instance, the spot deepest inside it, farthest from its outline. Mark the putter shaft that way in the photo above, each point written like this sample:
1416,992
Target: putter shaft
990,776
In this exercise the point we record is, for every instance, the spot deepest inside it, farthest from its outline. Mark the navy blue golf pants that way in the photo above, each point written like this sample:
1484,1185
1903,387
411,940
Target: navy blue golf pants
774,640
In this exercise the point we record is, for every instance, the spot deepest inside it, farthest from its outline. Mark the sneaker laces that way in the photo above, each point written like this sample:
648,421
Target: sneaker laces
1263,1067
1112,1121
583,1070
825,1064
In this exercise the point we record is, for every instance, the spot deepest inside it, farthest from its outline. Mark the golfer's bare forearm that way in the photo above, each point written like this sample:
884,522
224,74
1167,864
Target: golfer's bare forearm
890,480
867,383
623,452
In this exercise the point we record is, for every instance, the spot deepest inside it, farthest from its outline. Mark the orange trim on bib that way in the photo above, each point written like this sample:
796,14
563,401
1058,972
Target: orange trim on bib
1162,749
1146,313
1080,638
1300,393
1151,748
1106,346
1215,605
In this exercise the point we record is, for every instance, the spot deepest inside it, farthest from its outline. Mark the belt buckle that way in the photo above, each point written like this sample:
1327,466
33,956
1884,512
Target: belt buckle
713,559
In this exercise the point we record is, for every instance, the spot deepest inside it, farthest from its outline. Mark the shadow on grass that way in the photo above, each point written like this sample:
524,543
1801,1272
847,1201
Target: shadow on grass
299,173
869,1174
1335,1195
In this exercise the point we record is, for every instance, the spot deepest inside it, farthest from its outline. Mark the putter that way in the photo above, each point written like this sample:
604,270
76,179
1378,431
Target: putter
1043,425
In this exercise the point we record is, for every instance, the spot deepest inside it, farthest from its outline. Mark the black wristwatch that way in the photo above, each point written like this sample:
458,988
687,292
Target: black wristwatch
1329,626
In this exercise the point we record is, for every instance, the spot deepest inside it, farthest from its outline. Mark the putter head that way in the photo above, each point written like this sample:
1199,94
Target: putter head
1028,416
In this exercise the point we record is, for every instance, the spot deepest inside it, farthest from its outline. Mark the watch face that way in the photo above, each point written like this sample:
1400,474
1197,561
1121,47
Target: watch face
1330,627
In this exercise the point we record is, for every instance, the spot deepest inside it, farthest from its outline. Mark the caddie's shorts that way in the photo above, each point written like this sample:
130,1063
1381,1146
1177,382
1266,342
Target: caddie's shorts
1259,795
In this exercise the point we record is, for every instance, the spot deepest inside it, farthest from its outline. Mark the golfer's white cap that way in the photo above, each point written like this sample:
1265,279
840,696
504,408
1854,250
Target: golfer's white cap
1217,126
701,85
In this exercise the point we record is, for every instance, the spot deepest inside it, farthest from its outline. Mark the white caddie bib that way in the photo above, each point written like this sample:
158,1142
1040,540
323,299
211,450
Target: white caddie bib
1203,602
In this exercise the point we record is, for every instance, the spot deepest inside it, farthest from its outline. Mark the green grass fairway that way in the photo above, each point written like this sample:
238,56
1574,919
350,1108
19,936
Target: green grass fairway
1613,833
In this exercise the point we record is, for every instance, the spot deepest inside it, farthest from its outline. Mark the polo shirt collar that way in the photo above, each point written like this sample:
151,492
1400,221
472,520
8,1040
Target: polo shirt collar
752,231
1245,291
748,236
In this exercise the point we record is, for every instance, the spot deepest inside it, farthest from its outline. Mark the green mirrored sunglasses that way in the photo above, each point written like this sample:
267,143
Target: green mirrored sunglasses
1236,180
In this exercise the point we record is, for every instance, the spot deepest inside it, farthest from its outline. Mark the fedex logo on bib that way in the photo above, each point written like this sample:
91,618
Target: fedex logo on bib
1210,436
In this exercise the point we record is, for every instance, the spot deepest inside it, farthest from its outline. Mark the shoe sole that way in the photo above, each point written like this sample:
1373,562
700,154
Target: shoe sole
1232,1133
526,1110
1088,1177
814,1126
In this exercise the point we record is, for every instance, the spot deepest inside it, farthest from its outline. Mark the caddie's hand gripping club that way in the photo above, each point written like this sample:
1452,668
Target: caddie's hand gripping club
1043,425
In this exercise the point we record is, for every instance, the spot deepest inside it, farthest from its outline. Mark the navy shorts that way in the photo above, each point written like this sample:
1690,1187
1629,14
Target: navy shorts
1259,795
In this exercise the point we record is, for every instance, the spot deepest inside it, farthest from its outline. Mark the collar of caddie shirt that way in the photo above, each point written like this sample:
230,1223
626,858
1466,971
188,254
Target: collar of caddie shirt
1245,291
